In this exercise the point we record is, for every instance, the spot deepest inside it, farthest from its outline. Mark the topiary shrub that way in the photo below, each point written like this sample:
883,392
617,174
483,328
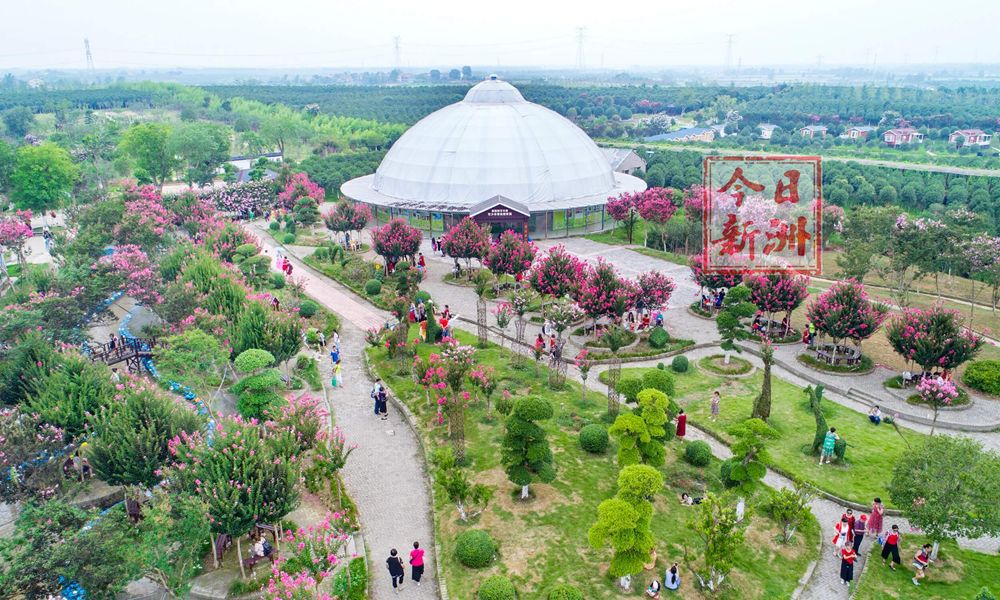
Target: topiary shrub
564,591
504,405
321,253
475,548
661,366
840,449
659,338
594,438
274,226
289,238
679,364
373,287
698,453
277,281
421,295
629,387
725,471
659,380
497,587
983,375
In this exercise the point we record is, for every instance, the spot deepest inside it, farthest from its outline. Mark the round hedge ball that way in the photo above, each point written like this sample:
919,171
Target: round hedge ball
594,438
698,453
475,548
497,587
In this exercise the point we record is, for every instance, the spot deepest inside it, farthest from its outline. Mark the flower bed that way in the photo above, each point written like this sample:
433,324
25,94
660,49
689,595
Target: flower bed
643,350
864,366
963,399
715,364
696,308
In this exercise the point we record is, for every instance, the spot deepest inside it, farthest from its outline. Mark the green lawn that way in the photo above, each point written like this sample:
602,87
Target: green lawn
956,574
871,451
673,257
617,237
544,541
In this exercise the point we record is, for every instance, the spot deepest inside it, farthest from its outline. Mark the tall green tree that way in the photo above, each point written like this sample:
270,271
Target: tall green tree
130,440
525,452
43,177
722,532
147,145
193,357
623,522
948,488
202,148
6,165
18,121
750,455
67,395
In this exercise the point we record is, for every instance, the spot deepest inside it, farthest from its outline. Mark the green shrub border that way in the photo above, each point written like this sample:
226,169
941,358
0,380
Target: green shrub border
745,366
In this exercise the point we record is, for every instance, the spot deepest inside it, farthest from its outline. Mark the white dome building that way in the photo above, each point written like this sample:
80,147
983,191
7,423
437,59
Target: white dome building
499,158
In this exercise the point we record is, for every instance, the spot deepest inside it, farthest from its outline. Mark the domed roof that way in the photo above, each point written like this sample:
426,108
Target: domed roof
493,142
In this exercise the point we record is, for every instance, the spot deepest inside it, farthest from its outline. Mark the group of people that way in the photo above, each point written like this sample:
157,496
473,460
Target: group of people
851,530
381,397
419,313
710,300
397,570
284,264
671,581
337,380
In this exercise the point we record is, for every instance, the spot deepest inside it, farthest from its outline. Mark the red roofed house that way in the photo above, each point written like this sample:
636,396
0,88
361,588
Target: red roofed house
970,137
904,135
813,131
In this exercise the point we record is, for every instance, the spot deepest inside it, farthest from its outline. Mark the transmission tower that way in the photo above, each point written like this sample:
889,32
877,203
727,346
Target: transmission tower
396,52
90,57
729,52
579,46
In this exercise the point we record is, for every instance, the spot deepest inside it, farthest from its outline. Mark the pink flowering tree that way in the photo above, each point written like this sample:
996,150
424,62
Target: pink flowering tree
777,292
299,186
510,255
146,221
329,457
654,289
140,278
624,209
239,477
712,281
484,380
14,234
396,240
434,377
583,364
833,221
457,360
656,206
311,554
504,314
982,257
844,312
348,216
933,338
602,293
558,273
242,199
468,240
937,394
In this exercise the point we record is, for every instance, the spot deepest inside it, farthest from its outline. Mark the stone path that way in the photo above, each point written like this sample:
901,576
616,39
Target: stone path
385,474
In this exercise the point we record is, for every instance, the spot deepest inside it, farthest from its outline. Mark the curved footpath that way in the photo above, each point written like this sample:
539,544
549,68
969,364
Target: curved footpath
385,473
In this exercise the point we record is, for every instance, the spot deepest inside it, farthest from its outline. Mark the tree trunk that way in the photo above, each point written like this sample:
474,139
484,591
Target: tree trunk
725,360
625,583
524,492
215,555
461,512
934,422
762,406
934,550
239,557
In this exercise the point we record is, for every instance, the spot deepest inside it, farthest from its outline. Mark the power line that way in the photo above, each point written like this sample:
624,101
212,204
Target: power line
396,51
729,52
579,46
90,57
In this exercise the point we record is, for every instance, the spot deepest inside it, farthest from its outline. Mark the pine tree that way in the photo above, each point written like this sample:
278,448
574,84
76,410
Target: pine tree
525,452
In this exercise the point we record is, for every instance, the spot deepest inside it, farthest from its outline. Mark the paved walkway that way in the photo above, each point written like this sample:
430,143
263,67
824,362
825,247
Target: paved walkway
385,474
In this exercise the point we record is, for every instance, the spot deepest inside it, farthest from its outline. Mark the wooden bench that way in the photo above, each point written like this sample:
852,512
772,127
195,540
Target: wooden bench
250,563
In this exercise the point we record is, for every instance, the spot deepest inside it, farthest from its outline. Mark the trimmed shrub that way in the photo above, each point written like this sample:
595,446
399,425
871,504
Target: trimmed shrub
274,226
725,470
373,287
277,280
475,548
983,375
594,438
564,591
659,338
698,453
840,449
321,253
289,238
679,364
421,295
669,428
504,405
661,366
290,224
497,587
629,387
308,309
659,380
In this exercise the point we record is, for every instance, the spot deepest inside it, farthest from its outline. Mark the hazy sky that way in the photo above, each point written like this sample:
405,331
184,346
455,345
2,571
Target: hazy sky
447,33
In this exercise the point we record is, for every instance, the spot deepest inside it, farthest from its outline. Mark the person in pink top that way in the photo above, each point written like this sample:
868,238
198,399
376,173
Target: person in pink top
417,562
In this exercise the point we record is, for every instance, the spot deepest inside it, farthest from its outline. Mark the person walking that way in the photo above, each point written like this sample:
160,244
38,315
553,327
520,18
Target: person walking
891,547
338,380
860,527
382,403
396,570
417,562
322,340
336,341
875,518
682,420
849,515
716,399
847,557
376,394
829,443
920,563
